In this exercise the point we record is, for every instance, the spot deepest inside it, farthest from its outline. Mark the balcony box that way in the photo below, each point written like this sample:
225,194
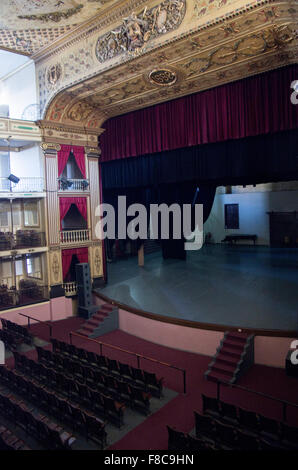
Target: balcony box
73,185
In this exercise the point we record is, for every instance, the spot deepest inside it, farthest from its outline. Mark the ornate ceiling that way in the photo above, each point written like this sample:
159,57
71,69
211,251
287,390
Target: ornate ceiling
28,25
245,41
100,58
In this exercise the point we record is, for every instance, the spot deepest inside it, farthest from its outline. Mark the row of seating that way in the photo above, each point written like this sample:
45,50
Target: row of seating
9,441
50,435
79,420
143,379
20,332
178,441
259,426
93,400
9,339
99,380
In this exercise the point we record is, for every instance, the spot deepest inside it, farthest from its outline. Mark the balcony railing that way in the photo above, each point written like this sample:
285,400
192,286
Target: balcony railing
73,185
25,296
70,288
70,237
22,239
25,185
8,281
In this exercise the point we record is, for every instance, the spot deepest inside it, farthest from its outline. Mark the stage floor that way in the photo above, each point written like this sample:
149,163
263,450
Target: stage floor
245,286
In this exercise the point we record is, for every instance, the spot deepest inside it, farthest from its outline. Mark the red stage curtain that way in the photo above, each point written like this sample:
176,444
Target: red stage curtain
81,253
66,202
79,154
81,203
250,107
63,156
66,262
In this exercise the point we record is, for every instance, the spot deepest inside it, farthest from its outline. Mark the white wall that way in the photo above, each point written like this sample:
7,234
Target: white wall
27,163
253,217
18,90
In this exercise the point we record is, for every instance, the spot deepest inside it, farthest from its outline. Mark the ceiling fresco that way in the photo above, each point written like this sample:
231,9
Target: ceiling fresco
27,26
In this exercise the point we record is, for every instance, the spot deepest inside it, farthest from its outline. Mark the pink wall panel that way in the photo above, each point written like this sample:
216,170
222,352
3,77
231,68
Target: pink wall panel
167,334
61,308
40,311
56,309
271,351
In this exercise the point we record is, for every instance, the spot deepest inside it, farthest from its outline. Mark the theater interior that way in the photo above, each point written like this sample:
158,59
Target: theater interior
122,343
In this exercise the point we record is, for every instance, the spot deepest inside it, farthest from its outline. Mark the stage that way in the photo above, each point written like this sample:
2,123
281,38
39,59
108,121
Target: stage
235,286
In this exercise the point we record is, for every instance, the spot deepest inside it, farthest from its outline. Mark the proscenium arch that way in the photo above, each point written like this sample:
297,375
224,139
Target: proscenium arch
65,108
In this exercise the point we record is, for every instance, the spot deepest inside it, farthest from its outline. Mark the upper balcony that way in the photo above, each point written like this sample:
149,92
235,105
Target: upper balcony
22,239
21,168
72,185
25,185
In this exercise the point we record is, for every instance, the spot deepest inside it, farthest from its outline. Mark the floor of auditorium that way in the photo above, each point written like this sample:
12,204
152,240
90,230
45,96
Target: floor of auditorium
245,286
177,409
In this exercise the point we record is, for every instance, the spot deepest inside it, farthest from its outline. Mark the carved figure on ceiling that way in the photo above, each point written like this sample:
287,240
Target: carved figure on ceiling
137,30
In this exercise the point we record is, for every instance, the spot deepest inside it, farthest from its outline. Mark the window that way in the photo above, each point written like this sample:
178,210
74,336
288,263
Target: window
232,216
6,268
4,167
16,215
19,267
4,215
6,272
33,265
31,214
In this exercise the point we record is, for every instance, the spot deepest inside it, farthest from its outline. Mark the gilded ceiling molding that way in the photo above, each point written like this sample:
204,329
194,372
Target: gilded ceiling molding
136,30
48,146
97,23
263,12
55,134
55,16
32,25
253,41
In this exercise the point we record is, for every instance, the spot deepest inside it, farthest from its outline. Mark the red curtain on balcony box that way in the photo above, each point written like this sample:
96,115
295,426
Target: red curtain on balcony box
79,154
66,202
81,253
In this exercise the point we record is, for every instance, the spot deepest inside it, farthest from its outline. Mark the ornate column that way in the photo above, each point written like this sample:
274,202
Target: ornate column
52,220
96,248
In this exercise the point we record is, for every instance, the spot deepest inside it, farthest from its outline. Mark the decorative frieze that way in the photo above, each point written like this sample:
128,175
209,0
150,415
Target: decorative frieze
55,267
136,30
248,40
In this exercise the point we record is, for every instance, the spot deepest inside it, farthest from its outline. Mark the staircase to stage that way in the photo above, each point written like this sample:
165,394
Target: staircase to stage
101,322
233,357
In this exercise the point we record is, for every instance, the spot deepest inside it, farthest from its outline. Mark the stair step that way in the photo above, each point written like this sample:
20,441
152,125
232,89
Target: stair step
82,332
87,327
237,337
225,364
107,307
229,360
234,345
215,376
94,323
100,315
223,368
233,353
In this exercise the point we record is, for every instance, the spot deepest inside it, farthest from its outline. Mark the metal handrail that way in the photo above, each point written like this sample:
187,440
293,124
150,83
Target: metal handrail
138,356
285,403
40,321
